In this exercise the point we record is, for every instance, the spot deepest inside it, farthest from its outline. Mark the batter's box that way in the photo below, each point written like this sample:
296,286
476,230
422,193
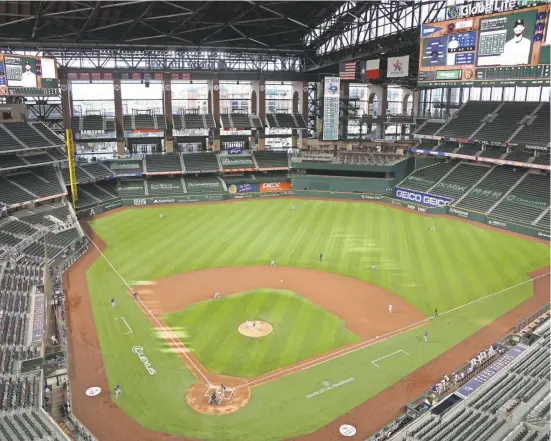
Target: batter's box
221,395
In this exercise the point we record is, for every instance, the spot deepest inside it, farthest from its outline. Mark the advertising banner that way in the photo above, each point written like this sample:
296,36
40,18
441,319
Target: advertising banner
274,187
242,188
417,197
98,209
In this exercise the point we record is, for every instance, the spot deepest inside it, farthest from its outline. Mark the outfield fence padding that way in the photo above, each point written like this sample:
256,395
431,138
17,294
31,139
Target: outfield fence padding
251,192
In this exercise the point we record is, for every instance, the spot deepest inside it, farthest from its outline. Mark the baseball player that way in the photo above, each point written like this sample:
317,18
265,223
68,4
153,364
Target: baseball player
292,208
113,302
223,387
432,228
436,312
54,340
390,309
118,392
426,336
321,257
272,262
135,294
373,266
216,296
161,216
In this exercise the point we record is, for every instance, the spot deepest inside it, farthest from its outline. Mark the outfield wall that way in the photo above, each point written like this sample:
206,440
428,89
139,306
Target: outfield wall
218,197
343,184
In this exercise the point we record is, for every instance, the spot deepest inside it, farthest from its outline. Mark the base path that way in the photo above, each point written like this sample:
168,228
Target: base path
108,422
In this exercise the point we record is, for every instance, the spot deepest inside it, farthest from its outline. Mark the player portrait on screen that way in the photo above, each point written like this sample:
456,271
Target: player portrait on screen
517,49
28,77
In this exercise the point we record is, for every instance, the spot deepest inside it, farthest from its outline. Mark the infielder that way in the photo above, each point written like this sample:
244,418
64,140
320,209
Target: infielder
216,296
113,302
272,262
426,336
118,392
432,228
436,312
373,266
321,257
390,309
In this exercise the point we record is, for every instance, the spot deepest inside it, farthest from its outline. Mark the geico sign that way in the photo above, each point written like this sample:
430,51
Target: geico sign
139,351
421,198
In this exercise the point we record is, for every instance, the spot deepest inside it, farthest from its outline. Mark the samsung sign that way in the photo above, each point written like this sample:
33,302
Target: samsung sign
426,199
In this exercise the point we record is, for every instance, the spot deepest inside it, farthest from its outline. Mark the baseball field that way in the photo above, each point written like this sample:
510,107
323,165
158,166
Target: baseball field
333,343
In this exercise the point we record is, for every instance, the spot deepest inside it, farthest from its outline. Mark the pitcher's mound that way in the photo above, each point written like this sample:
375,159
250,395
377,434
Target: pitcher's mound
256,328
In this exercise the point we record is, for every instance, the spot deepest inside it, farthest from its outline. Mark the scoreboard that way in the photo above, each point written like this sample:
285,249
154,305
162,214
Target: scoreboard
505,48
28,76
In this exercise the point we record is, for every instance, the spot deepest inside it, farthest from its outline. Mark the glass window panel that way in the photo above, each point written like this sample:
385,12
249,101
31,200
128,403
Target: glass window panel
520,94
92,91
533,94
508,94
475,93
497,93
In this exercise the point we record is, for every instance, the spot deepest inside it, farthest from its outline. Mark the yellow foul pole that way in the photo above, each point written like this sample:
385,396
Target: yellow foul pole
71,157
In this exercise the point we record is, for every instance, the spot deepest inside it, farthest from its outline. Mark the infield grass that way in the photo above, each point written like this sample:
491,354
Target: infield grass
452,266
301,330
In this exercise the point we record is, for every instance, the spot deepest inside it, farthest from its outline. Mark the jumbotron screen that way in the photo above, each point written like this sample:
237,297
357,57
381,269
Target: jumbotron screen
506,48
27,76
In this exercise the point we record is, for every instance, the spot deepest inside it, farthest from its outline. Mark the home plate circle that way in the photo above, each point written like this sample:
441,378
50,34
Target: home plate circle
93,391
347,430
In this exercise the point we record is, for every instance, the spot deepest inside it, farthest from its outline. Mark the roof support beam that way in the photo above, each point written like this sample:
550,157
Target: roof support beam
136,21
90,15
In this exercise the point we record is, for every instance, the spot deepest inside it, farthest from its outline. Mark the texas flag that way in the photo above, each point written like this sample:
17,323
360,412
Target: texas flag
371,69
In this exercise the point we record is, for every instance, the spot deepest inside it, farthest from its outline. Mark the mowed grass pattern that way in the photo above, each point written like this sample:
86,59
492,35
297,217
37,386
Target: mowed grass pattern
301,330
446,268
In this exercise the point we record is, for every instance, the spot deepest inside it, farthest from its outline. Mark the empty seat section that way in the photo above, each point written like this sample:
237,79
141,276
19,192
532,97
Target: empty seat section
97,170
267,159
126,166
526,202
427,144
226,123
209,119
468,119
468,149
52,136
164,186
257,122
430,128
200,162
518,156
11,161
131,188
490,189
178,122
236,162
241,121
492,152
506,122
300,120
161,122
459,181
537,133
27,135
144,121
286,121
424,178
193,121
110,125
541,159
7,142
447,147
203,184
169,163
12,194
92,123
127,123
41,181
271,121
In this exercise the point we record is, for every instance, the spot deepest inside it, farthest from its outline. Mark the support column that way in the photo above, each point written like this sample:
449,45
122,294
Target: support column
296,95
118,116
319,121
167,101
66,105
214,88
343,123
254,111
261,144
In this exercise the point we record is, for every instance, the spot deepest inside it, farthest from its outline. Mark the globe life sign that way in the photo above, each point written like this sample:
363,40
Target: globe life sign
487,7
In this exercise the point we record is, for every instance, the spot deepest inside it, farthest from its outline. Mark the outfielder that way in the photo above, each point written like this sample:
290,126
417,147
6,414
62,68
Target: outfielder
426,336
118,392
161,216
432,228
113,302
390,309
373,266
272,262
216,296
292,208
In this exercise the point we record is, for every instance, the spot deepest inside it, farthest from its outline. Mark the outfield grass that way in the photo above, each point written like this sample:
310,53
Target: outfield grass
301,330
450,267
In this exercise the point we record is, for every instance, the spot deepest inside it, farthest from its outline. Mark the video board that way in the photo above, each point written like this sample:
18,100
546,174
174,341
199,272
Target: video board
506,48
28,76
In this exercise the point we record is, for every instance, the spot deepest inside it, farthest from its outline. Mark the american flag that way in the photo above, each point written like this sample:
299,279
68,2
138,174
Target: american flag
347,71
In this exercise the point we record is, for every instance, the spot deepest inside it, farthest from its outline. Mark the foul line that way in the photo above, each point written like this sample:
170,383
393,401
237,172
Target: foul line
389,355
367,343
129,329
183,349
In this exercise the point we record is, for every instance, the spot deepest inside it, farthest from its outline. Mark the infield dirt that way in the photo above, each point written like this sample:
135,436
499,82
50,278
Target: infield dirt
108,422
